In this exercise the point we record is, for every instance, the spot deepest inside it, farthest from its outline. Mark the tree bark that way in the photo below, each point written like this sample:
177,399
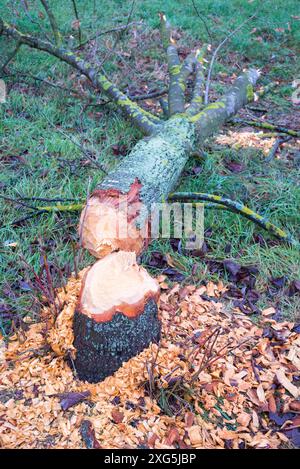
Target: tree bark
101,348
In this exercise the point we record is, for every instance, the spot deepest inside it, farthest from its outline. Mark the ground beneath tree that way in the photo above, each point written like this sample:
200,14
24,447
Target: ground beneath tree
217,380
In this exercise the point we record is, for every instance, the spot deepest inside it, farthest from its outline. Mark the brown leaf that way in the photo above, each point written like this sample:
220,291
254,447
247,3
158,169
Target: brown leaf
272,404
285,382
261,393
173,436
295,405
68,399
189,419
88,435
117,416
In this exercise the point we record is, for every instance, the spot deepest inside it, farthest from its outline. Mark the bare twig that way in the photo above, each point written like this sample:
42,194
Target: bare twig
238,208
11,56
227,38
108,55
46,199
78,26
21,220
267,126
82,149
53,22
18,202
42,80
279,141
201,17
109,31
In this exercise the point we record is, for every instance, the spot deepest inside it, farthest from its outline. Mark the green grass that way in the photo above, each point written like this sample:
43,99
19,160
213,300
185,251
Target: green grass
37,160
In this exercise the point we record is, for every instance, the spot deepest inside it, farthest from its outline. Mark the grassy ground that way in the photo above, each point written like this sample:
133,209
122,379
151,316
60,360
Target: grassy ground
39,159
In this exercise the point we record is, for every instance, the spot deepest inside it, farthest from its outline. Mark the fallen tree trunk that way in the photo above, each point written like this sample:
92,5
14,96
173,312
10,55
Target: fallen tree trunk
150,172
116,315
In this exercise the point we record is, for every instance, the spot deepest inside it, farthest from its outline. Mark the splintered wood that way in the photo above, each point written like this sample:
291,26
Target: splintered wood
249,375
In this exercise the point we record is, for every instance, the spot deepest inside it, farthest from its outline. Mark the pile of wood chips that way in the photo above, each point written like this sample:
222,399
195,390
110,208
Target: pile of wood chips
229,405
246,139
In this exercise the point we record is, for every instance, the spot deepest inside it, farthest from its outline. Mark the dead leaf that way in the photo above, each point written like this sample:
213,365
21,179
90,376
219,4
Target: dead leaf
285,382
117,416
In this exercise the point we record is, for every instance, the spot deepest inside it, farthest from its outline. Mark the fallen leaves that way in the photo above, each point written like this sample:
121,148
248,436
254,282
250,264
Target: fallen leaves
68,399
285,382
88,435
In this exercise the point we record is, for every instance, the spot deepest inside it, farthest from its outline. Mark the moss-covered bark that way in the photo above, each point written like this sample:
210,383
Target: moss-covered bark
102,347
157,163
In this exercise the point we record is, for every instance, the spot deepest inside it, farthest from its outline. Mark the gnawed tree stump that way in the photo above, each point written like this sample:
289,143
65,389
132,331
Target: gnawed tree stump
116,317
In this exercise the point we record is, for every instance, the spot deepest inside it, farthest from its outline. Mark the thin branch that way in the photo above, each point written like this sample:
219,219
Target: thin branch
78,26
53,22
23,219
176,98
267,126
279,141
61,208
18,202
150,95
203,20
11,56
239,208
146,121
108,55
227,38
42,80
81,148
197,99
109,31
46,199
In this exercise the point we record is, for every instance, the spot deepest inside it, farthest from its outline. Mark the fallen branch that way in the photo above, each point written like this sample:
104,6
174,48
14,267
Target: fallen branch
267,126
279,141
203,20
239,208
146,121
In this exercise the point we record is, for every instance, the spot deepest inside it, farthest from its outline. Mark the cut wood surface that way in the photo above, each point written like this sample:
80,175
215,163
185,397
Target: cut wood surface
116,315
116,284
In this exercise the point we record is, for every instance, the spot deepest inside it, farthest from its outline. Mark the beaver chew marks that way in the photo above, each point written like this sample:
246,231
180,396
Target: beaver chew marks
107,223
116,283
116,317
